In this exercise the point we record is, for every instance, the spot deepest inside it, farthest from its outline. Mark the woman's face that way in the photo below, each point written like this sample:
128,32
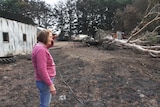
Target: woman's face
49,41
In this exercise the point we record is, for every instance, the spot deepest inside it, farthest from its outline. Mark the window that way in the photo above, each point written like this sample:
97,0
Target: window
24,37
5,37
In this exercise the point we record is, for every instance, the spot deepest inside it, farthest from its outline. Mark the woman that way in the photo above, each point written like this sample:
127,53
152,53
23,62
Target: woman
44,67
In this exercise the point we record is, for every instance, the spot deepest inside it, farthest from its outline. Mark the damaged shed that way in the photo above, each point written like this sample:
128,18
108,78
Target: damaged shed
17,35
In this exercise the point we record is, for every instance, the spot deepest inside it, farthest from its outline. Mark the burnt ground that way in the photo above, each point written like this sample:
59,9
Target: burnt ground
86,77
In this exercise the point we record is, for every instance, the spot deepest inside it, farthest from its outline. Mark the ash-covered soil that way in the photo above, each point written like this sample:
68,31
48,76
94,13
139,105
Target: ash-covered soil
86,77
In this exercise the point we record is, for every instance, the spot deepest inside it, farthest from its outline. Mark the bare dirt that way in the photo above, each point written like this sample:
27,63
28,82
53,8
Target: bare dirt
86,77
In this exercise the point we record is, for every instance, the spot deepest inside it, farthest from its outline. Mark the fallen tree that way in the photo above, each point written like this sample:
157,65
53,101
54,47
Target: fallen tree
152,50
152,16
108,42
155,14
146,42
142,38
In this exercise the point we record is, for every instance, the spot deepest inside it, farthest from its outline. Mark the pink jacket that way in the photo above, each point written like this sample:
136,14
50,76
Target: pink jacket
43,64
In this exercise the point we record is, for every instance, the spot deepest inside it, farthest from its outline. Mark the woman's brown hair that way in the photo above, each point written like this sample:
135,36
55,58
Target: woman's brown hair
43,36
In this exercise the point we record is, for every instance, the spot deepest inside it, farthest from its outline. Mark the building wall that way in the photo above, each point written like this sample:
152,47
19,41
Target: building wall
17,32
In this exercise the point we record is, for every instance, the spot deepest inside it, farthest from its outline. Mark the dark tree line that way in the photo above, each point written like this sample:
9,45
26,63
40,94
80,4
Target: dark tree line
37,10
82,16
86,16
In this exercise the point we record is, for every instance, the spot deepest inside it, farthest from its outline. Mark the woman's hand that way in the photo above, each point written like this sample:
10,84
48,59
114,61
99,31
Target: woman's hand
54,36
52,89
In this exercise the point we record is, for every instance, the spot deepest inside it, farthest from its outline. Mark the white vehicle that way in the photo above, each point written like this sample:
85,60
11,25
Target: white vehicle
80,37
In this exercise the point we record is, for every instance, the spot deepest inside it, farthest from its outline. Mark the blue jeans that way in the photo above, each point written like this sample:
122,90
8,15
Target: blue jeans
45,95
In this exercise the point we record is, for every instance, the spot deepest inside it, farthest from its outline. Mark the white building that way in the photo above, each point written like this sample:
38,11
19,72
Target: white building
16,38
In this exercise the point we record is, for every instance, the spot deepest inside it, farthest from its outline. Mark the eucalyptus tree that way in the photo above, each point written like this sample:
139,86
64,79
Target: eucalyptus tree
127,18
40,12
37,10
60,12
13,6
86,16
71,17
89,16
98,14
